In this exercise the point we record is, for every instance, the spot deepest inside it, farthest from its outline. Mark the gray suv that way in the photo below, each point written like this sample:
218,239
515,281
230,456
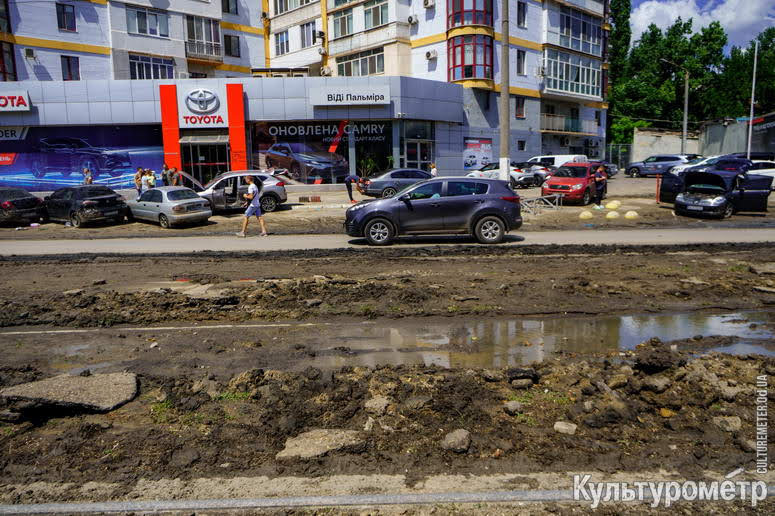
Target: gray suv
659,164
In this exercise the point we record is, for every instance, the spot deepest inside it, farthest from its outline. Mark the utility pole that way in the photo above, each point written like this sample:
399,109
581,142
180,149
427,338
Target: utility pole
505,120
753,92
686,103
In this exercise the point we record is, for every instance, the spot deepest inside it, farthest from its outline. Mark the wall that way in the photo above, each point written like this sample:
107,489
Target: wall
646,143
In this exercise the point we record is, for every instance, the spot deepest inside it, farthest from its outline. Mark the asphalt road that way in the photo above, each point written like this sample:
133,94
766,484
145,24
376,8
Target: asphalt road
181,245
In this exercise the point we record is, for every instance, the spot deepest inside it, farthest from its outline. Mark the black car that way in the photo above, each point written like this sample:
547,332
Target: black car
20,206
68,155
89,203
388,183
485,208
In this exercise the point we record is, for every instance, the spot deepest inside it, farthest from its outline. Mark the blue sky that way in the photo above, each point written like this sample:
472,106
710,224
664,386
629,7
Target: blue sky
742,19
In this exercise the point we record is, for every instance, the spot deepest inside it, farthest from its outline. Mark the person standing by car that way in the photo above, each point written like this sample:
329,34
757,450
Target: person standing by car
165,175
600,181
348,182
254,207
139,181
87,177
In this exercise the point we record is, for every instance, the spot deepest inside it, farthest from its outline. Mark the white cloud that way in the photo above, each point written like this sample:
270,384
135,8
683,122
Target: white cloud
742,19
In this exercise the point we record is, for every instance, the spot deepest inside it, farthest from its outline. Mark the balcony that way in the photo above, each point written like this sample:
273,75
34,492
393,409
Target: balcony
204,51
566,124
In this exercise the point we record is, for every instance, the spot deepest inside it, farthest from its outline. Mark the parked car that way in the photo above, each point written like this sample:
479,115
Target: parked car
306,162
557,160
170,206
225,191
721,193
20,207
574,181
68,155
485,208
659,164
390,182
88,203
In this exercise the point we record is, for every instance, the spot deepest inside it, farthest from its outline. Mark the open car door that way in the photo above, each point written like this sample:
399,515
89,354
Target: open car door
672,185
753,192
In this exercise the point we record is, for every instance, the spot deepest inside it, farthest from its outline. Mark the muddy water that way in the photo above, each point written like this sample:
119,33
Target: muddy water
503,343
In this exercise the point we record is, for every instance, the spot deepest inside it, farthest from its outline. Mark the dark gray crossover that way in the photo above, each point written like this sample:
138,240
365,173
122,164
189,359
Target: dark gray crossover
484,208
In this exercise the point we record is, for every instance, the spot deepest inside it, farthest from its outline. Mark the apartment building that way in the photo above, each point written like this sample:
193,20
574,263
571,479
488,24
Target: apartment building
144,39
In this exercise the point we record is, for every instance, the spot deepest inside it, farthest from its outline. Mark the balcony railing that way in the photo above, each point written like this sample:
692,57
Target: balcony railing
566,124
204,50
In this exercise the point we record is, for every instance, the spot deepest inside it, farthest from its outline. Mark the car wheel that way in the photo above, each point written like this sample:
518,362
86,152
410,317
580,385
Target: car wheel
490,230
379,232
388,192
587,198
164,221
729,210
268,203
91,165
37,169
634,172
296,171
75,220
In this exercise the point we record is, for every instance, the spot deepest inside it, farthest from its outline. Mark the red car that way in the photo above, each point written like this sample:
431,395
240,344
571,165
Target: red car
575,181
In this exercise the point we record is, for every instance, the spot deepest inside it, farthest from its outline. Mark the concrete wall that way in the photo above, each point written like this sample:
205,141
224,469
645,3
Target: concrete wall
646,143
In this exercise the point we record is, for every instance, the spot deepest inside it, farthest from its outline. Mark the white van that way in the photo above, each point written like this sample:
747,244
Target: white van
558,160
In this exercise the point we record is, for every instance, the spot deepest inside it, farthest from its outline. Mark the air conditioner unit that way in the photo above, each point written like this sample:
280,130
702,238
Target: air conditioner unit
29,53
431,54
326,71
413,19
182,75
429,4
322,51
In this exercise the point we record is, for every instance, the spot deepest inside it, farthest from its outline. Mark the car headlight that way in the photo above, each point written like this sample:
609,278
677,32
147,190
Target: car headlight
577,187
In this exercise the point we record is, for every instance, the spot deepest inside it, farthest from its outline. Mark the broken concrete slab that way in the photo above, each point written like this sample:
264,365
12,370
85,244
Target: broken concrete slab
317,443
99,392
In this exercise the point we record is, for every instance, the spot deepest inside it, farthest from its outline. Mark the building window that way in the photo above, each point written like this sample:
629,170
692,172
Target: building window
66,17
5,19
370,62
522,14
7,63
571,73
521,145
307,34
343,23
281,43
147,21
520,107
470,57
70,68
580,31
281,6
203,37
229,6
521,62
469,12
231,45
376,13
147,67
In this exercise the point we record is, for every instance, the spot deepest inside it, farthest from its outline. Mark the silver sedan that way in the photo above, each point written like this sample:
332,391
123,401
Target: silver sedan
169,206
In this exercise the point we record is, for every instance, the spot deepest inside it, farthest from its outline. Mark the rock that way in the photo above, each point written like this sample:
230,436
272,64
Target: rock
417,402
317,443
656,383
563,427
666,412
488,375
98,282
763,268
184,458
524,383
512,408
73,292
617,380
313,302
98,392
517,373
457,441
377,405
728,423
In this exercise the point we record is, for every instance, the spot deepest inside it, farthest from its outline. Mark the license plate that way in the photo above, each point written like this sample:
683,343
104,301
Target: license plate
694,208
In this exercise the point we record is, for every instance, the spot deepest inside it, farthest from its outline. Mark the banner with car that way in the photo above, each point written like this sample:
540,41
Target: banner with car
47,158
477,153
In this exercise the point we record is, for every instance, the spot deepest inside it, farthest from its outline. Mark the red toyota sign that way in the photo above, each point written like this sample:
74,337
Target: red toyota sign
16,100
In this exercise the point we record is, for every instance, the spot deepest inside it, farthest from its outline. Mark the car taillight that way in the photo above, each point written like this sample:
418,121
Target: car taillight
6,205
89,203
280,183
178,208
511,198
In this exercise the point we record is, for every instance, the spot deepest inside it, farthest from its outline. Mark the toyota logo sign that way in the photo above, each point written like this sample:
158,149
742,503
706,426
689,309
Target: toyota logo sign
202,100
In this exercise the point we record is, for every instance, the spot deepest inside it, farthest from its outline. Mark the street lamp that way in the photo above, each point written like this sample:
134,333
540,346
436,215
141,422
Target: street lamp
686,102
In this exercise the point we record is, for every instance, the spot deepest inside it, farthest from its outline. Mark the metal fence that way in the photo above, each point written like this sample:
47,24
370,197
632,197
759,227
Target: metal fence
619,154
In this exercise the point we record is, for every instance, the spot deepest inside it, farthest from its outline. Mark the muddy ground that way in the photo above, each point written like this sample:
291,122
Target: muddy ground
221,405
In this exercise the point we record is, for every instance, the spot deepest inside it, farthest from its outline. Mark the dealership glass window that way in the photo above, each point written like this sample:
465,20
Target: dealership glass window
281,43
5,19
70,68
307,34
521,62
229,6
7,63
470,57
66,17
572,73
203,36
376,13
522,14
580,31
519,102
147,21
370,62
343,23
148,67
469,12
231,45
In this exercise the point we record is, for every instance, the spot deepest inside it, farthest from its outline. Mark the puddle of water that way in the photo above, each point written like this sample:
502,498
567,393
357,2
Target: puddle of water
506,343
